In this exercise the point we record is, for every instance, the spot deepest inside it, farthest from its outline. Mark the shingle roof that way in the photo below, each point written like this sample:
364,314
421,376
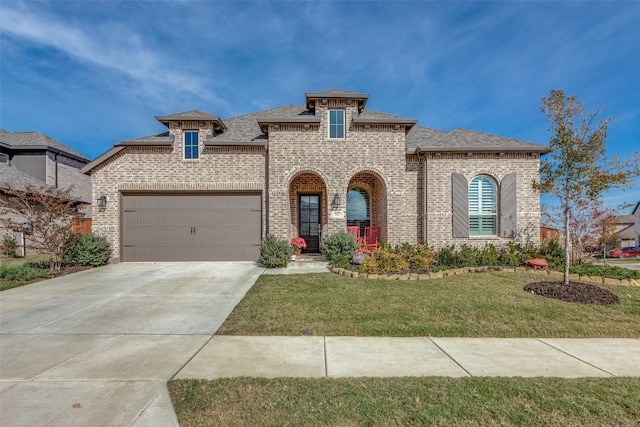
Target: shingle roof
36,140
246,130
463,140
193,115
18,180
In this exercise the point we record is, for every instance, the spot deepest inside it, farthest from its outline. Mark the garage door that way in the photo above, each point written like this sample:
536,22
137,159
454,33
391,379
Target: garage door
191,227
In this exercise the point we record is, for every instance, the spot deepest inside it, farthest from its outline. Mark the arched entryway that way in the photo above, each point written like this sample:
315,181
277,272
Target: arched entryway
367,202
308,202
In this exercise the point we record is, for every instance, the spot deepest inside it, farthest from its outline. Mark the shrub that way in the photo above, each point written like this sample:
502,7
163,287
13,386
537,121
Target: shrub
447,257
513,255
613,272
275,252
339,245
26,271
10,245
468,256
419,256
553,252
87,250
384,261
489,255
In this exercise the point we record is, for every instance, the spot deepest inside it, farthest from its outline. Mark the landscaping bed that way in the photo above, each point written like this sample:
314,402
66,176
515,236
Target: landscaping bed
573,292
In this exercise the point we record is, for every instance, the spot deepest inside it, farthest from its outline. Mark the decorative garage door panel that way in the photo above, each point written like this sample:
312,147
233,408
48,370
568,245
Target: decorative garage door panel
191,227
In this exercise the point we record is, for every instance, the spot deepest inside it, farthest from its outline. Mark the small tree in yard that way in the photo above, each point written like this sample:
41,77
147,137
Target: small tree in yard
50,211
576,169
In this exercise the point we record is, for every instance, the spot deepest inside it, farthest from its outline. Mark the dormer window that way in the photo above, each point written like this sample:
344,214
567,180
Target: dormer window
336,124
191,147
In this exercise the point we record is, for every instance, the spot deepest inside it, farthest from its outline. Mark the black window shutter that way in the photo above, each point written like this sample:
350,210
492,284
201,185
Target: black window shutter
460,205
509,206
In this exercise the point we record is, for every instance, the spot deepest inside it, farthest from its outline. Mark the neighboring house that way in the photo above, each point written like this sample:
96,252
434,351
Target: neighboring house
47,161
625,230
549,233
211,189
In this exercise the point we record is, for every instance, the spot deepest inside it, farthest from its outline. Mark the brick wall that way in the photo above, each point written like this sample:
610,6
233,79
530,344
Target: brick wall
163,169
439,200
377,150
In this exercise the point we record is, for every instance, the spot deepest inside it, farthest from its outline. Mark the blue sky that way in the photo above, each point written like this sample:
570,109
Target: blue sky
93,73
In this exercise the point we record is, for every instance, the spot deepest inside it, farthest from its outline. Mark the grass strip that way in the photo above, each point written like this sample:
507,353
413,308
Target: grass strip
407,401
488,304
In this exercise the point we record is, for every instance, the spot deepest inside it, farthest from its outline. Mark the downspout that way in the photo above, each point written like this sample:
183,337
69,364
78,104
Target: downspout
266,189
424,195
55,159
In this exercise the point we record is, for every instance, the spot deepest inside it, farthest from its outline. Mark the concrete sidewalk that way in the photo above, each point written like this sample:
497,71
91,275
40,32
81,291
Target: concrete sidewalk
334,357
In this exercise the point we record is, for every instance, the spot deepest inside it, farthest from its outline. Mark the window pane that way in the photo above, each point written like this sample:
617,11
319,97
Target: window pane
482,206
336,124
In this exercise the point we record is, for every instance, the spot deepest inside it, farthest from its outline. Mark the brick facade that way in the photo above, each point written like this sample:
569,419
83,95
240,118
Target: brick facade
410,192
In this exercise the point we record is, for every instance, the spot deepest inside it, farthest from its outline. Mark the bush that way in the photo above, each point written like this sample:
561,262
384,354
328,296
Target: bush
275,252
339,246
447,257
87,250
384,261
613,272
489,255
419,256
10,245
553,252
26,271
513,255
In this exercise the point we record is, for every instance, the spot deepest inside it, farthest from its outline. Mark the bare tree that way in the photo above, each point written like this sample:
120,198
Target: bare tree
49,211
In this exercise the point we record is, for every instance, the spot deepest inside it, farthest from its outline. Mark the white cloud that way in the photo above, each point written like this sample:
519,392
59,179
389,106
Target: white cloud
111,46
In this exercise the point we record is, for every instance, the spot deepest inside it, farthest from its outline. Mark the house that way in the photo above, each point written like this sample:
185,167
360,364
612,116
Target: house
211,189
625,230
38,160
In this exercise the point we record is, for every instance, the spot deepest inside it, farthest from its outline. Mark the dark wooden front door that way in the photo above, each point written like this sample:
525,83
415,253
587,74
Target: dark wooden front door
309,221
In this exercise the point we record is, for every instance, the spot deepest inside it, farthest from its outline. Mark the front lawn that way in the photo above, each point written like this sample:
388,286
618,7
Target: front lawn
407,401
488,304
14,272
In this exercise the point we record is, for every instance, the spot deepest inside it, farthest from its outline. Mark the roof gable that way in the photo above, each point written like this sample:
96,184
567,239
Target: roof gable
37,141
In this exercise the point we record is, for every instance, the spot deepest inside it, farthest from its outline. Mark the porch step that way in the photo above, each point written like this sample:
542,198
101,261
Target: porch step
311,257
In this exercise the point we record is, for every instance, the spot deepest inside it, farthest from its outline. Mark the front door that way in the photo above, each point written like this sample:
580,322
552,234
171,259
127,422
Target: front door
309,221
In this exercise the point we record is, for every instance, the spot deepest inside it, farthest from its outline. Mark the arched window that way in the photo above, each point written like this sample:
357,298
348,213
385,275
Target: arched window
483,206
358,208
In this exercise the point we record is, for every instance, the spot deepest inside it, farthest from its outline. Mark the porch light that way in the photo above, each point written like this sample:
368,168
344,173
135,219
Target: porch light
102,202
336,200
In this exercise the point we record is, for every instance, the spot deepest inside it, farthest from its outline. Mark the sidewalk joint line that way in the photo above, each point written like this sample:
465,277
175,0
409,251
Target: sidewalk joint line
326,363
575,357
191,358
449,356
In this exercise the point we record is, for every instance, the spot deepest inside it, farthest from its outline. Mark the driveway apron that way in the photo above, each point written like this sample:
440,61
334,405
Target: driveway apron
97,347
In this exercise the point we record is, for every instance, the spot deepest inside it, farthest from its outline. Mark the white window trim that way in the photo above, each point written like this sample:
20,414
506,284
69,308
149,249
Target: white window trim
344,125
184,144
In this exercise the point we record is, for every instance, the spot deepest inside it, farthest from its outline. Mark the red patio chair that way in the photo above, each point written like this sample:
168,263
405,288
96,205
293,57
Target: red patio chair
355,230
371,236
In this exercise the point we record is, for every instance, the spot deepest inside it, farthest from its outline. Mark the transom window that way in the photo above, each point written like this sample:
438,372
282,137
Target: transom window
191,145
482,206
336,124
358,208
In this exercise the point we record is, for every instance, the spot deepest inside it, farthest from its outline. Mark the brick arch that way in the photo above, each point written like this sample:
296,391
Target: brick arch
492,174
293,174
377,188
372,170
307,181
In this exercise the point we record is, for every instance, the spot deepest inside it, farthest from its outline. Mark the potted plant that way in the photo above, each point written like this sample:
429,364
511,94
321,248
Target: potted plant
298,244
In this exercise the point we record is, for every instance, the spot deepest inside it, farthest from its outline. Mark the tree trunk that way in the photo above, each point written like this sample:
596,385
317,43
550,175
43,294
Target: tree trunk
566,246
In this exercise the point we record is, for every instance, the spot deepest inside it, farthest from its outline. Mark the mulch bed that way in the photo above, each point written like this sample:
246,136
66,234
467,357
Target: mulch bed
582,293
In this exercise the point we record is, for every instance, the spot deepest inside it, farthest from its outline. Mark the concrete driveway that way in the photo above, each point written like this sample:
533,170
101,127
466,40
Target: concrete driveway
97,347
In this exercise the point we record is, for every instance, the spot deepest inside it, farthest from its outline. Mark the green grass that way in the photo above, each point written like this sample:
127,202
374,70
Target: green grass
489,304
407,402
14,263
